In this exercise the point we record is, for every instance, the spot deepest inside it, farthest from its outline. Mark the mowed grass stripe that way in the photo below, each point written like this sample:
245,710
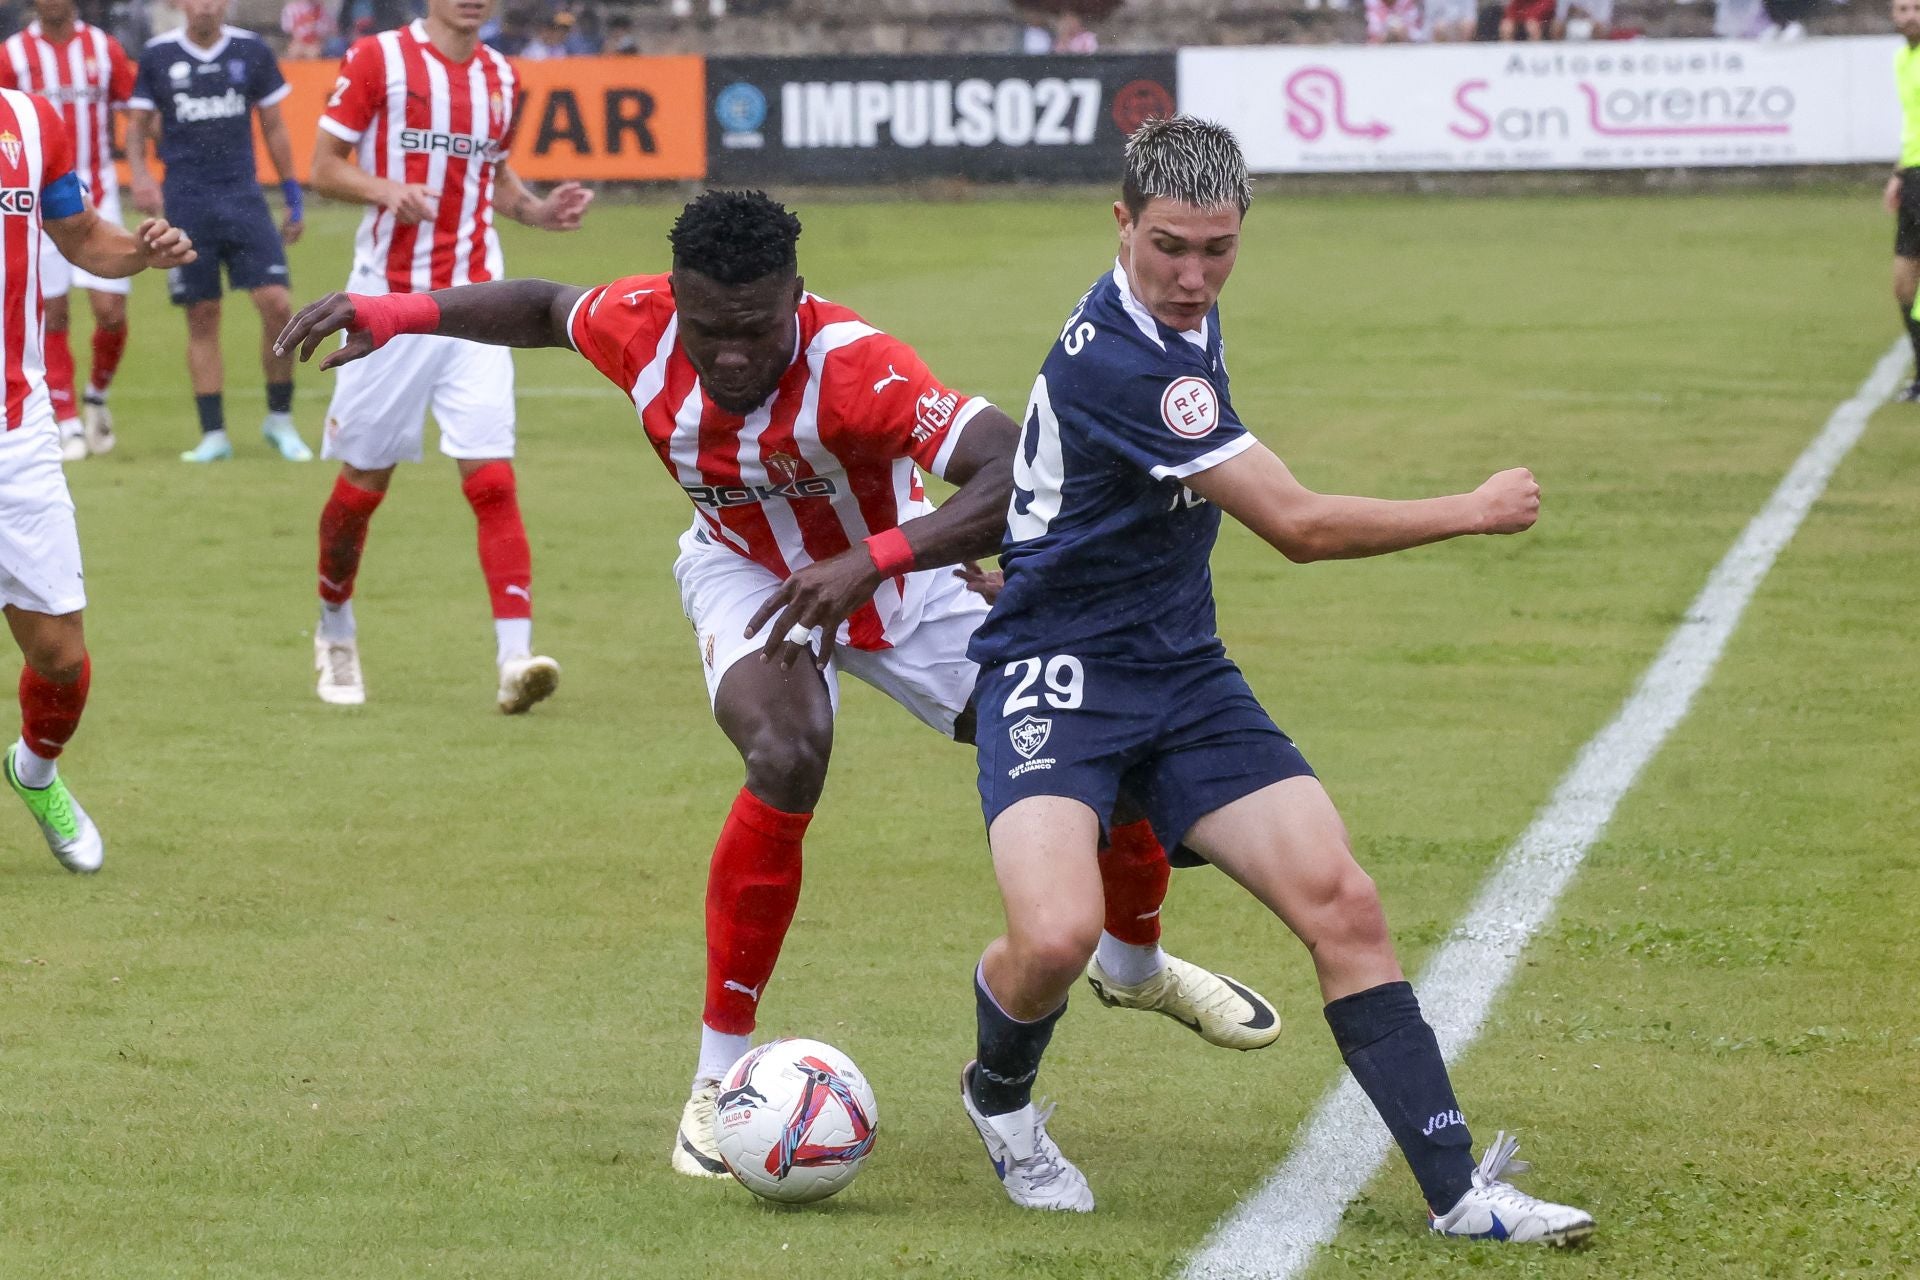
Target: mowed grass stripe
1275,1233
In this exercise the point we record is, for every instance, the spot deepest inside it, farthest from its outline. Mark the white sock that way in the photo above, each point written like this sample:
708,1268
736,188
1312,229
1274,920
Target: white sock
1127,964
513,638
718,1051
34,771
336,622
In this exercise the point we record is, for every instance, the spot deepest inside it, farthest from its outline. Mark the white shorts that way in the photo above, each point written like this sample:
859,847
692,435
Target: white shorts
1451,12
927,670
58,277
39,542
380,403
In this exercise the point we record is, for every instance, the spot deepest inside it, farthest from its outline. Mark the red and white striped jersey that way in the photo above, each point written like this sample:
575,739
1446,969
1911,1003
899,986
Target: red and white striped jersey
85,77
420,118
35,153
828,460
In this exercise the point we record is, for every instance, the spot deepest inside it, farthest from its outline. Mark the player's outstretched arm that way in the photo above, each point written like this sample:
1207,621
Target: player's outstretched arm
502,313
108,249
968,525
1257,489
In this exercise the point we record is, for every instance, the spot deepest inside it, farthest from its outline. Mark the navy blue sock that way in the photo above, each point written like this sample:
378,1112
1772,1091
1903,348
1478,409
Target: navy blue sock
1009,1052
280,397
1395,1058
213,413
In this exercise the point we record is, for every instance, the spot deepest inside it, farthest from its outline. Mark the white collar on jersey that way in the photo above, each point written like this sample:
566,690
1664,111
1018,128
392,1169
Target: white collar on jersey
33,28
1143,318
207,55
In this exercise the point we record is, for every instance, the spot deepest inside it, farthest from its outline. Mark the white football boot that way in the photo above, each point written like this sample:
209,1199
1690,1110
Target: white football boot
696,1151
97,426
525,681
1030,1166
1214,1006
73,440
336,664
1496,1210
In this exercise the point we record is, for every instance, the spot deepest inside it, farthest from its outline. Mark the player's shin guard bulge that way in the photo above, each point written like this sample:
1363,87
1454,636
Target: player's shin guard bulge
49,715
1134,874
505,558
343,537
753,886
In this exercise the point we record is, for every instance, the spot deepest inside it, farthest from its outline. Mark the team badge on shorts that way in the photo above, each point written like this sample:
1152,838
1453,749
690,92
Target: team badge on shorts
1029,735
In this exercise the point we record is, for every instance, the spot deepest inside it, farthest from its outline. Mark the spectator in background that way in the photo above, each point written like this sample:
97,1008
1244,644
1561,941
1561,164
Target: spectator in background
513,33
1528,18
684,8
1739,19
1393,21
1583,20
552,40
586,39
306,23
620,37
1071,35
1451,20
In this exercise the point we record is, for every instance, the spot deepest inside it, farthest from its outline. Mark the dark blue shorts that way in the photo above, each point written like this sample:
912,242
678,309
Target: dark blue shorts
236,230
1181,739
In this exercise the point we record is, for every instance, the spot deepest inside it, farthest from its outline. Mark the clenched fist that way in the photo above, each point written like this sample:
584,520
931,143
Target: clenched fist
1509,502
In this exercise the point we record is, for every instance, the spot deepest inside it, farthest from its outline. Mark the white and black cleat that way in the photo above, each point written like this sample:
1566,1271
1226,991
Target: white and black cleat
1497,1210
696,1150
1213,1006
1030,1167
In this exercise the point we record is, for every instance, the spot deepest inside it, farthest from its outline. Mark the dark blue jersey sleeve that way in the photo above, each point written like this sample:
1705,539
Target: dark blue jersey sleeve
266,86
146,83
1167,417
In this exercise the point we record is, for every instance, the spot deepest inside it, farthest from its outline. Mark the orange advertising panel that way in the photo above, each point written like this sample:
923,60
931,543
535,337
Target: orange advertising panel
617,119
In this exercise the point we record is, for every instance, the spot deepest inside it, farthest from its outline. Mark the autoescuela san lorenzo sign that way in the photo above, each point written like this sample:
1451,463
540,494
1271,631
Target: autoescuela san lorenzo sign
990,118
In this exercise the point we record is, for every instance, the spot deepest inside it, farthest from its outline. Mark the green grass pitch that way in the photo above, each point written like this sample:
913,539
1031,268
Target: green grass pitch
411,990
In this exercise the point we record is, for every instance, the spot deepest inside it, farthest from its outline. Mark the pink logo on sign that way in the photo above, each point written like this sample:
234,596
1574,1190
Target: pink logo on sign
1316,100
1626,113
1190,408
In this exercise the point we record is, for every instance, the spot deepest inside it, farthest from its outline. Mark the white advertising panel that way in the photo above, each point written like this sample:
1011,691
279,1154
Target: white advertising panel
1631,104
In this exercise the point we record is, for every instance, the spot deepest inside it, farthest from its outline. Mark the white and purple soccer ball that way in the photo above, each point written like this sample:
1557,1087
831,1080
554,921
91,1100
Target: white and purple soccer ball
795,1120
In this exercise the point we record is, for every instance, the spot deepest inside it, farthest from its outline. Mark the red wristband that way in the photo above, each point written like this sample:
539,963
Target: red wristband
892,553
383,316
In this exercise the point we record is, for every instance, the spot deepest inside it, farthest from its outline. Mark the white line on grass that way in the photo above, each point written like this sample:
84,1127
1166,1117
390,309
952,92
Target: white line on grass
1275,1232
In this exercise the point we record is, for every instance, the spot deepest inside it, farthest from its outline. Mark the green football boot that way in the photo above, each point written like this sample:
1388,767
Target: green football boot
70,833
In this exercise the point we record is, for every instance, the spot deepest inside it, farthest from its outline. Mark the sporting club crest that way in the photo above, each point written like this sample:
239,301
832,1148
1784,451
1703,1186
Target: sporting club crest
783,466
10,146
1029,735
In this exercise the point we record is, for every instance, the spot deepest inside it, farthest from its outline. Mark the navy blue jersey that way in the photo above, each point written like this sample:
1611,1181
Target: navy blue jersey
1106,551
205,99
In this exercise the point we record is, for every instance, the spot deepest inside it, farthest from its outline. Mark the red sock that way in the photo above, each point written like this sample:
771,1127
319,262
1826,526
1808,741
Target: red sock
49,712
505,558
752,888
107,346
59,358
1134,872
343,535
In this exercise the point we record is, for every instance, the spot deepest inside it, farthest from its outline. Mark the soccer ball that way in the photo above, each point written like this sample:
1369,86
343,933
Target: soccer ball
795,1120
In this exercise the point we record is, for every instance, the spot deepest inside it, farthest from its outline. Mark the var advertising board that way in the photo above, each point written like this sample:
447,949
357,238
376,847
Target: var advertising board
1632,104
883,119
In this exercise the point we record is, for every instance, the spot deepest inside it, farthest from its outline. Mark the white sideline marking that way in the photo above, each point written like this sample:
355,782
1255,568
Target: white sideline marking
1275,1232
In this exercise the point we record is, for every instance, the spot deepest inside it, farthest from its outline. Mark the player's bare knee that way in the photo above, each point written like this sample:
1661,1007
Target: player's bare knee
1347,918
59,655
1057,946
788,770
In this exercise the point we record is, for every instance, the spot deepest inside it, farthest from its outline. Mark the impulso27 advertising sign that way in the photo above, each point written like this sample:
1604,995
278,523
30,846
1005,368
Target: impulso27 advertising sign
884,119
